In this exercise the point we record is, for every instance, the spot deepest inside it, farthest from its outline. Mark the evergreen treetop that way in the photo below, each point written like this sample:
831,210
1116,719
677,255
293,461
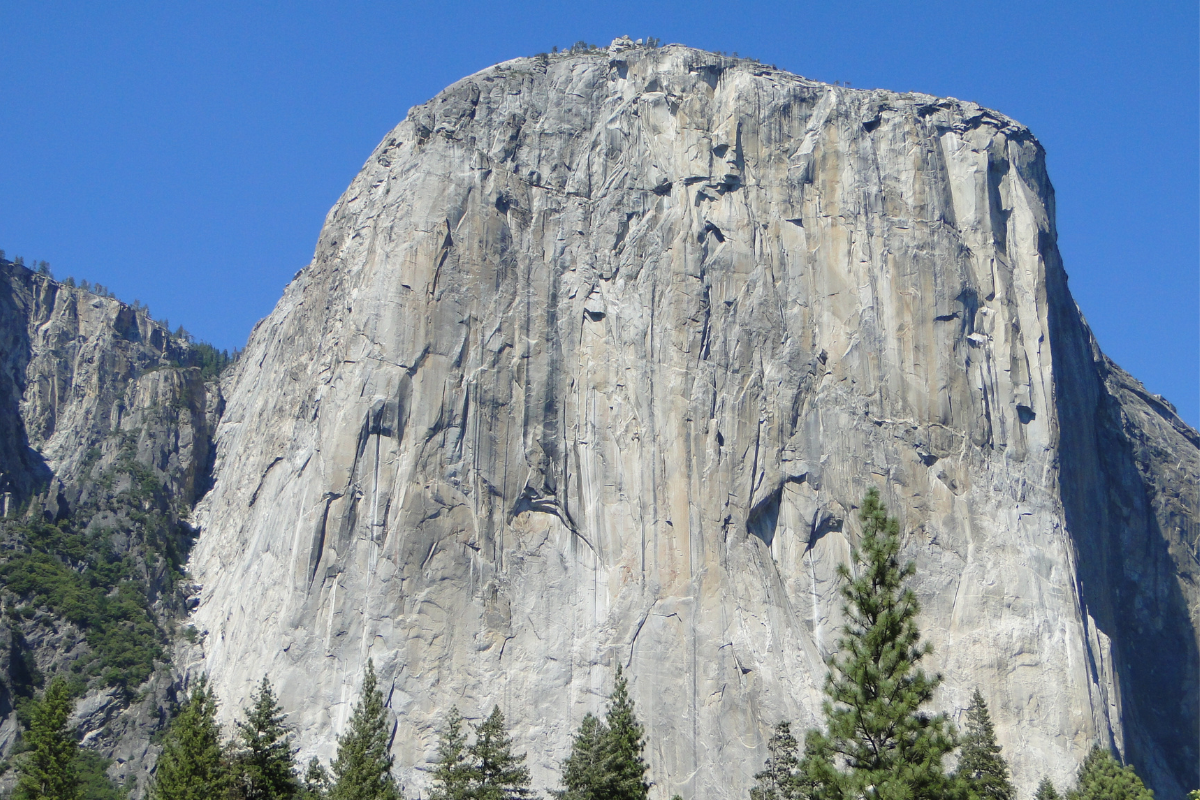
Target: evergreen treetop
1103,778
879,743
980,763
606,760
1046,791
624,744
583,769
315,785
191,766
453,774
497,772
264,758
47,770
362,769
778,779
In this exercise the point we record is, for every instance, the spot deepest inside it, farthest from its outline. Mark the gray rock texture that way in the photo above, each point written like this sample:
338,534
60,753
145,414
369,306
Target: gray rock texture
105,428
593,363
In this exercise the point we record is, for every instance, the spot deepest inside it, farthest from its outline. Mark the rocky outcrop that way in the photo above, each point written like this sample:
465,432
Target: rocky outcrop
594,360
106,429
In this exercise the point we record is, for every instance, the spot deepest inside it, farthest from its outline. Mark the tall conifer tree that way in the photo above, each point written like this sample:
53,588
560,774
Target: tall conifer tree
606,760
980,763
453,775
497,773
47,770
623,745
265,766
363,767
778,779
583,770
191,766
879,743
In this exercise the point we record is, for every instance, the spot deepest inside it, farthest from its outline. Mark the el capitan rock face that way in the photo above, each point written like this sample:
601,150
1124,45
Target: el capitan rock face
594,361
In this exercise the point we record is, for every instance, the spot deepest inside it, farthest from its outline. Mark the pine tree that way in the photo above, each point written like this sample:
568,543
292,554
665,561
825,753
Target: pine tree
980,763
1103,778
583,769
47,770
191,766
623,745
264,757
363,767
1046,791
498,773
879,744
453,774
606,757
315,785
777,781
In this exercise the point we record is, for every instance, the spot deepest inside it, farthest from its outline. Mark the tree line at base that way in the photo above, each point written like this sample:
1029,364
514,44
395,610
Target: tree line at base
877,744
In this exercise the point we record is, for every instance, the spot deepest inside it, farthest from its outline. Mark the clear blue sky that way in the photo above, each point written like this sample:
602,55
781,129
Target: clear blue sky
185,154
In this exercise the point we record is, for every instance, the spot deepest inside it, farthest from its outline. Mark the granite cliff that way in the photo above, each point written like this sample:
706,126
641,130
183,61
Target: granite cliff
595,358
106,426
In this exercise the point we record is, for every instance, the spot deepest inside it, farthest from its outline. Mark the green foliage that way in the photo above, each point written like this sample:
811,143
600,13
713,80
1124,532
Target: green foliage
453,774
584,774
606,761
211,361
264,766
47,770
498,772
192,766
315,785
1103,778
363,767
980,763
94,782
879,744
73,569
80,578
1046,791
779,776
624,745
